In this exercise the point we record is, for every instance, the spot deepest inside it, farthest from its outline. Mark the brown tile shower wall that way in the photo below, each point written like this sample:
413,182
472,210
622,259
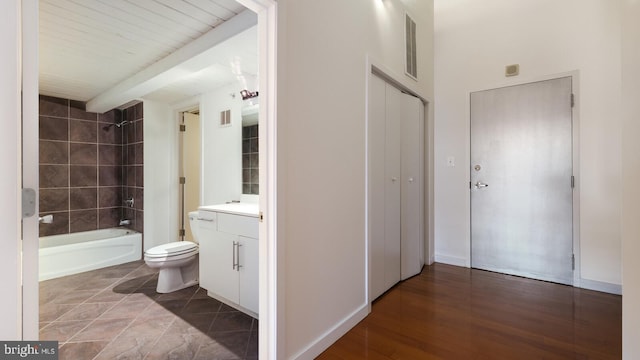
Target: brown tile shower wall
83,167
250,160
133,162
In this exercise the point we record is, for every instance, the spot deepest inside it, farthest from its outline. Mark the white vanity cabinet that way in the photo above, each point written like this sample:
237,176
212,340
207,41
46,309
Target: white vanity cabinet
229,256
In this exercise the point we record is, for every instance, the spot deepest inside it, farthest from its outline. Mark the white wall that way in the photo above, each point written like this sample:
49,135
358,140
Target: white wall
10,301
630,176
221,146
160,175
473,42
322,74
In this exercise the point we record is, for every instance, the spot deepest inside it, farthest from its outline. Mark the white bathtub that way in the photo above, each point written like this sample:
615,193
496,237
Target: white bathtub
68,254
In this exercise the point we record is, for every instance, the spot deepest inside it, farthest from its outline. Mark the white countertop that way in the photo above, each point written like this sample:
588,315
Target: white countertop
245,209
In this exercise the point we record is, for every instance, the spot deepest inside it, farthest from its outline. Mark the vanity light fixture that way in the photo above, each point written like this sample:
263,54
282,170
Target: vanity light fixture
246,94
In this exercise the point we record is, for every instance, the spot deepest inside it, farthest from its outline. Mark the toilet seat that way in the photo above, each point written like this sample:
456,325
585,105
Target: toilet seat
171,251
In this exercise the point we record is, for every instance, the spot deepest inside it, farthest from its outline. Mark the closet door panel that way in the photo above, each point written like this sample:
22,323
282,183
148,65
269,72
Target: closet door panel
394,104
412,244
376,138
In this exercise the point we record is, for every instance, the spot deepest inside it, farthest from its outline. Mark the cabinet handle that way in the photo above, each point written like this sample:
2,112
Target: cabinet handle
204,219
235,244
238,266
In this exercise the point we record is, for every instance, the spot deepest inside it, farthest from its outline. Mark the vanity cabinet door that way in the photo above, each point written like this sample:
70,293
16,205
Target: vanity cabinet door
248,256
222,277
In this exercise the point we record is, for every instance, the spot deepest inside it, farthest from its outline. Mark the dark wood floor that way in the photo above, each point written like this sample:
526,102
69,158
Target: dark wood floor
449,312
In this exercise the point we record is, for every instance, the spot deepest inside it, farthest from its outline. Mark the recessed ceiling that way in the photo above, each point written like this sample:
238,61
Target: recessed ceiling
89,46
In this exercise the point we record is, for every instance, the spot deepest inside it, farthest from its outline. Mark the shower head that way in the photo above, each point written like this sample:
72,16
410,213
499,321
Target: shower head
118,125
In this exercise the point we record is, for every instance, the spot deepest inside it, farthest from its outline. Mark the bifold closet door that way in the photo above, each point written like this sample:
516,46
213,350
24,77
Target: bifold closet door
395,168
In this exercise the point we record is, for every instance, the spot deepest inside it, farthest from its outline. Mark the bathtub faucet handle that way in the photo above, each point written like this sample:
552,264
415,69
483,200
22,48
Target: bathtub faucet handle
125,222
129,202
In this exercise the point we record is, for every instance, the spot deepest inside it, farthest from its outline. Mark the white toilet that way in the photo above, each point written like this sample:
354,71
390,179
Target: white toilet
177,261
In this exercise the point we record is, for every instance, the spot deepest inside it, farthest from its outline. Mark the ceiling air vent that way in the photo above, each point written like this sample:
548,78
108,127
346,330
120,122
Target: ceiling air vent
411,67
225,118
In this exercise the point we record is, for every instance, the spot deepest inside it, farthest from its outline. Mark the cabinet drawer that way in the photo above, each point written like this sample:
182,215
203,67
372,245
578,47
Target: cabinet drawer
238,224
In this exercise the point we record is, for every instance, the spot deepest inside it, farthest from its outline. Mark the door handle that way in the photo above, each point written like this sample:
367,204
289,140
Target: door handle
481,185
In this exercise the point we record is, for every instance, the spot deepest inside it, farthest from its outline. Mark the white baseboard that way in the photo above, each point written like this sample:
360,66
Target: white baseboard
599,286
452,260
332,335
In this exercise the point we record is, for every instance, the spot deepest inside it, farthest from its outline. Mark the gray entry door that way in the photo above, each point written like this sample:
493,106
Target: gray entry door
521,180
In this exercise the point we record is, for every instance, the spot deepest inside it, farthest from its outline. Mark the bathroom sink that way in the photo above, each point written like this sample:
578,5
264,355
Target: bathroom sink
246,209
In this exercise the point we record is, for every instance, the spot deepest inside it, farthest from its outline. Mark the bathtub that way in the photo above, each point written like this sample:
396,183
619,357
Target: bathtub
68,254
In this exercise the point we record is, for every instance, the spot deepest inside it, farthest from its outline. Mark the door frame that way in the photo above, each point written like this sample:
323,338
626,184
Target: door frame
271,327
30,168
575,148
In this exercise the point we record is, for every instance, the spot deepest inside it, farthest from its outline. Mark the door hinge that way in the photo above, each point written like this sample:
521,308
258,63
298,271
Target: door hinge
469,184
261,216
181,232
573,100
573,181
183,128
183,180
573,261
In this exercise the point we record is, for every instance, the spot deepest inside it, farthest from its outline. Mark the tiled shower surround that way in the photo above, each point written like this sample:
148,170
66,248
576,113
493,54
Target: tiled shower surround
89,166
250,160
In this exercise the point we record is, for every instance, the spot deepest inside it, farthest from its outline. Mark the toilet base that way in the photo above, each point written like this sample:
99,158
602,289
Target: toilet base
172,279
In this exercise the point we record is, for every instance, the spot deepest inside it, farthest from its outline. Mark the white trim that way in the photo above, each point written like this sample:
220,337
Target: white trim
575,88
600,286
30,145
10,182
400,81
322,342
271,330
452,260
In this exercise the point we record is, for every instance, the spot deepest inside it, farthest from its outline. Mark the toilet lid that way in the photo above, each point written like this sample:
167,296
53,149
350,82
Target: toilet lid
171,249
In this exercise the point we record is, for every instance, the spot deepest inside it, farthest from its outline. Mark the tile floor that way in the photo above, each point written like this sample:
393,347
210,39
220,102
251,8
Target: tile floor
115,313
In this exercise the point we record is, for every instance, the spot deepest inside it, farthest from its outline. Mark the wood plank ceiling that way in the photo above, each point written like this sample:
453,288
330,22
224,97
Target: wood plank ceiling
89,46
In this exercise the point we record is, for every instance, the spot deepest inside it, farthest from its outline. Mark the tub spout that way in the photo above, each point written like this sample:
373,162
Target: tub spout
47,219
125,222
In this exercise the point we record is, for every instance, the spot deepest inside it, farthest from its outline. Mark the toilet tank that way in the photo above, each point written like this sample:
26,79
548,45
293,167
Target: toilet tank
193,223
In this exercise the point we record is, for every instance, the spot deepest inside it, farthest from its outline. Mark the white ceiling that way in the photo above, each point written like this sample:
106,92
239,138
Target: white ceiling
89,46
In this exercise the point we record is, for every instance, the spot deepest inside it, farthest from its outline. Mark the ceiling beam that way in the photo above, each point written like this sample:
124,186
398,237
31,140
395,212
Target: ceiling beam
187,60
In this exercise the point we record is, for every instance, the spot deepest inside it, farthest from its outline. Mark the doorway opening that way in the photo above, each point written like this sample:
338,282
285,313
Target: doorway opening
189,169
266,11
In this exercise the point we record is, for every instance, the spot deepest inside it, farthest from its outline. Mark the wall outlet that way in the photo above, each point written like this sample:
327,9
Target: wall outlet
451,161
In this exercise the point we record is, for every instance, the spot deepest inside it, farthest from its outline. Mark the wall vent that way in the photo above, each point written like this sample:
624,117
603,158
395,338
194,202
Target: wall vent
225,118
411,55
